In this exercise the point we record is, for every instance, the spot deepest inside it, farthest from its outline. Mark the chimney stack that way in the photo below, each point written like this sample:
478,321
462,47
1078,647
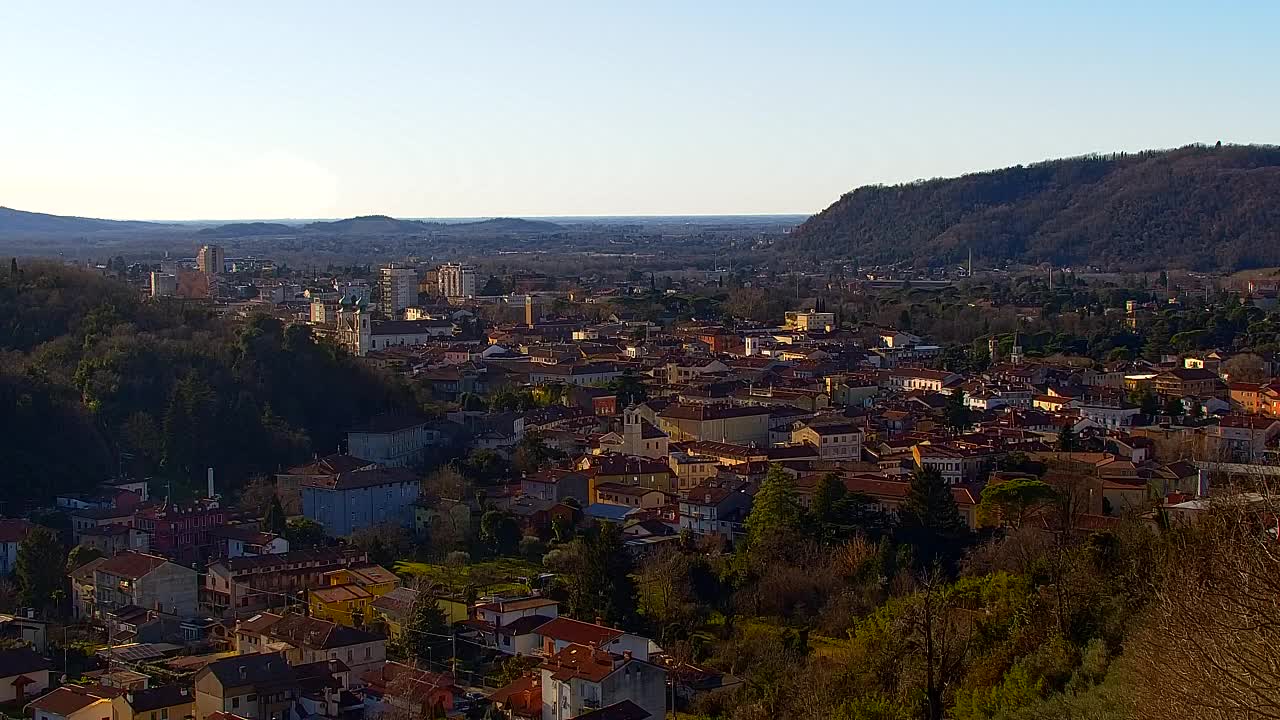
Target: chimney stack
244,673
210,493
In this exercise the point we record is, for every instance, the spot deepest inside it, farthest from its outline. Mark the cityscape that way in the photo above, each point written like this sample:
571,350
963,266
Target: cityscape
685,386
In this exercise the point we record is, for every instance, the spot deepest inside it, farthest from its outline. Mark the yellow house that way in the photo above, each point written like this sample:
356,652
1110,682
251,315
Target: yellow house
165,702
350,593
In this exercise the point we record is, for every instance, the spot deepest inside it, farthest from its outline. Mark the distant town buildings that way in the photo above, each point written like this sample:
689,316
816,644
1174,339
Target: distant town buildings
457,280
398,286
211,260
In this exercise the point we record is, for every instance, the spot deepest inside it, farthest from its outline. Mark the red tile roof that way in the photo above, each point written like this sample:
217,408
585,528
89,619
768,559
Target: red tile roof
132,564
577,632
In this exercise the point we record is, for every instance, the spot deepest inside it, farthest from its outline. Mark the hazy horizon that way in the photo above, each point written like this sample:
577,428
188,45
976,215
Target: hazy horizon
423,110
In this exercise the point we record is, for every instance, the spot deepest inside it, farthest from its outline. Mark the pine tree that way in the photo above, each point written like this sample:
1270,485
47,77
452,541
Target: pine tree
274,519
39,568
1067,438
775,510
957,411
425,630
930,521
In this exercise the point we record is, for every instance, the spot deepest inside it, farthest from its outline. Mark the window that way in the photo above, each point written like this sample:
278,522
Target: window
251,698
235,702
164,714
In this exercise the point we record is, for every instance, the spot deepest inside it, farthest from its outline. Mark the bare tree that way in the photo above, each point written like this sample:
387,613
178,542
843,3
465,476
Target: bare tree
1211,648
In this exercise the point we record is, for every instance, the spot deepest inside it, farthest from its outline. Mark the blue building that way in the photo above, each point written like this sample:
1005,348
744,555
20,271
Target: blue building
356,499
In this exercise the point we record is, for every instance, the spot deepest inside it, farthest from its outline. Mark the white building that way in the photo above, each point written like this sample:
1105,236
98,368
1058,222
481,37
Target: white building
390,440
399,288
457,280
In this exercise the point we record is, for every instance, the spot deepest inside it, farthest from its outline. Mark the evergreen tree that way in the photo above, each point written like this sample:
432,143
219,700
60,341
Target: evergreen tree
39,568
827,495
274,519
930,521
425,631
957,411
1173,407
775,510
1068,440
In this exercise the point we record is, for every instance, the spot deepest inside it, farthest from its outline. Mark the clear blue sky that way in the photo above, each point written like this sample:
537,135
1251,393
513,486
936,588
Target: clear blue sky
273,109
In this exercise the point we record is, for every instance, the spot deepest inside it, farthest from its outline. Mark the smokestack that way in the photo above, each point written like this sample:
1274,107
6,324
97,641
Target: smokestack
210,494
1202,483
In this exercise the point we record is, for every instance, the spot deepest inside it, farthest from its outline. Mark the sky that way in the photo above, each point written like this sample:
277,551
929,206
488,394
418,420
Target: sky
234,110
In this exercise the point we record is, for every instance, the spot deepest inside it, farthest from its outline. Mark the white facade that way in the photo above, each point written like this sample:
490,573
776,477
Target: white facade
399,288
457,280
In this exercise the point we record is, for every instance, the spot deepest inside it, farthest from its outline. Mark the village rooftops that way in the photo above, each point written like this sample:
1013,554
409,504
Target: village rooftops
358,479
580,633
70,699
315,634
331,465
131,564
578,661
711,412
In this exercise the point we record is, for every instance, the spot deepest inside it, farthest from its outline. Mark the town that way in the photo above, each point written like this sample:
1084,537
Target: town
616,495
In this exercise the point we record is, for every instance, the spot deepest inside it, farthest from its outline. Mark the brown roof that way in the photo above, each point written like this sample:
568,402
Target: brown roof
364,478
577,632
13,530
132,564
523,696
579,661
681,411
341,593
71,698
331,465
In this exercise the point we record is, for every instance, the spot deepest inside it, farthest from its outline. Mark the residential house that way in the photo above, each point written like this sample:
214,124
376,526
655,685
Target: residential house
145,581
1189,382
260,686
112,539
590,374
580,679
556,484
399,690
74,702
12,531
348,597
511,626
521,699
358,499
86,518
715,508
163,702
1241,438
182,533
922,379
23,674
956,465
391,440
288,483
562,632
692,470
248,584
683,422
834,440
648,473
303,639
84,600
233,541
631,496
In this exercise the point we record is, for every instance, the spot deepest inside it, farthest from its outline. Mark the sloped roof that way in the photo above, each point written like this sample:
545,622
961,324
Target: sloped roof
132,564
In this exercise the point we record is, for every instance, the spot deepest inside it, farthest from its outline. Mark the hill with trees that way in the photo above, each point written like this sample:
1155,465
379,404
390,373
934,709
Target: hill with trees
93,379
1205,208
20,221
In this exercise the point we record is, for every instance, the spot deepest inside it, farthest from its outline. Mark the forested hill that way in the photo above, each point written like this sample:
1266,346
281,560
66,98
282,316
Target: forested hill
1208,208
90,375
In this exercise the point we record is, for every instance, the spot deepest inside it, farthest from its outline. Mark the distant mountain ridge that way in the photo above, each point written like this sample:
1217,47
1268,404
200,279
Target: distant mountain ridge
22,221
1209,208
